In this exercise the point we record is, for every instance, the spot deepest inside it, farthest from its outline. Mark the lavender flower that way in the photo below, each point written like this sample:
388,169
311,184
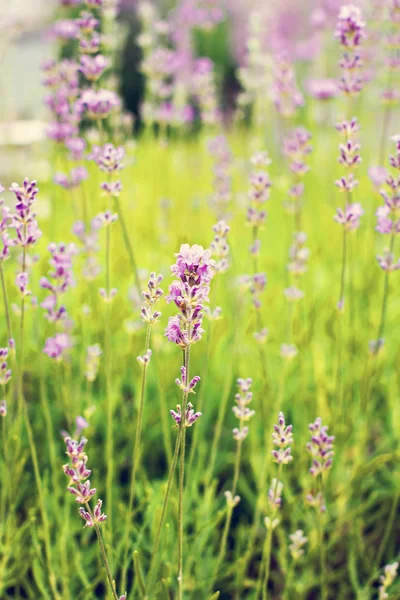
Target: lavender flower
320,448
298,540
282,437
286,95
219,247
79,484
3,408
5,372
97,104
184,385
241,411
194,270
151,296
55,347
386,580
190,416
93,362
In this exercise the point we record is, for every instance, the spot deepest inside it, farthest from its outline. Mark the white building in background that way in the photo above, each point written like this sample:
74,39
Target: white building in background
23,47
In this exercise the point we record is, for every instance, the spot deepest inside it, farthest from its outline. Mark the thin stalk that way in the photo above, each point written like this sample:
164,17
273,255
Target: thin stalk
128,245
322,551
103,553
186,359
384,301
42,505
224,539
135,460
266,557
5,300
108,376
157,538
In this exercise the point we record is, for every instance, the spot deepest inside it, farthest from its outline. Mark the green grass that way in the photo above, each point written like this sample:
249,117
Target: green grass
360,530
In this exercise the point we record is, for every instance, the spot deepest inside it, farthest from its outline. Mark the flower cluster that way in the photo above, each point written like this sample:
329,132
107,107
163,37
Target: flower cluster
241,410
194,270
151,296
205,91
285,93
89,238
109,159
93,355
386,580
219,247
320,448
24,219
282,437
56,346
73,180
298,255
5,376
79,484
349,157
388,215
298,540
258,283
350,30
259,194
60,279
184,385
190,416
5,221
219,149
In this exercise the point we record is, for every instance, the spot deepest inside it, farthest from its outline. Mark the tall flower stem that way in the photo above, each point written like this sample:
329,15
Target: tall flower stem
322,550
21,356
228,520
128,245
186,364
154,553
266,557
135,459
103,553
385,299
108,374
42,504
5,300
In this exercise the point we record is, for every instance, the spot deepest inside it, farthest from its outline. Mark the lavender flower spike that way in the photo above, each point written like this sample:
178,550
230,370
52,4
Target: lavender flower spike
282,437
190,416
320,448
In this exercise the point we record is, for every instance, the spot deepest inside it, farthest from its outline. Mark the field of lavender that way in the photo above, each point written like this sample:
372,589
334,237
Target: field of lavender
200,310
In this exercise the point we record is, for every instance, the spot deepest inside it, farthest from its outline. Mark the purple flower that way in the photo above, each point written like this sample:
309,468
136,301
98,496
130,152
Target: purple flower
350,217
66,29
194,269
184,385
86,22
323,89
98,104
320,448
3,408
98,516
94,67
76,146
350,26
285,93
108,158
282,437
22,282
241,411
56,346
151,296
190,416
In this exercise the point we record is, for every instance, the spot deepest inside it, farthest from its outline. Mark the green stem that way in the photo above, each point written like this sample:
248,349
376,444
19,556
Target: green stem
224,539
108,374
42,504
322,550
5,299
385,300
163,510
103,553
186,360
135,461
128,245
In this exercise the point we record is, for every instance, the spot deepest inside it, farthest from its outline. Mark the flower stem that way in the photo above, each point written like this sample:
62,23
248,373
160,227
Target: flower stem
103,553
224,539
5,299
384,301
163,510
135,460
128,245
186,360
108,375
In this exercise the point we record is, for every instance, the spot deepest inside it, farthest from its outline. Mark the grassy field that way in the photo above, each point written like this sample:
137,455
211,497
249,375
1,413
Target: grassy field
229,550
